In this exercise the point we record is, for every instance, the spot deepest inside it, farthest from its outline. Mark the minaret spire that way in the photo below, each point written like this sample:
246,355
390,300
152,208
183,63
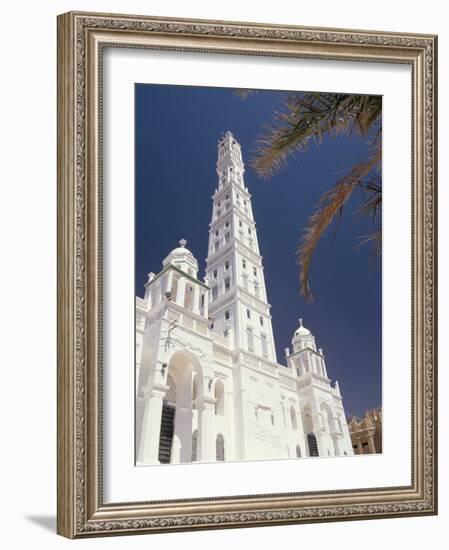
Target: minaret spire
234,265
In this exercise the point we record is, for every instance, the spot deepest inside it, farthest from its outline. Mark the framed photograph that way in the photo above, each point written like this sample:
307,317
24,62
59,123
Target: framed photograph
246,274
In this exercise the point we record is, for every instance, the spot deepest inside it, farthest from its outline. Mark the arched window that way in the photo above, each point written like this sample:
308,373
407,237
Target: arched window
219,396
194,446
194,392
219,448
293,418
298,451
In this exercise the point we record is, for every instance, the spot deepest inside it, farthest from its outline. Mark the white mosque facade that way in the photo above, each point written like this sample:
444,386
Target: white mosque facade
208,384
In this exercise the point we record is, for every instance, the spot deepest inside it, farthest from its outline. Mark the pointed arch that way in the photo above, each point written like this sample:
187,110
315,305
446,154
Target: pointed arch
220,448
293,418
194,456
219,395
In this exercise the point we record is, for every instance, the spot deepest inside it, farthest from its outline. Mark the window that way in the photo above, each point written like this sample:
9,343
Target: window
212,326
272,419
227,315
243,263
298,451
255,271
216,245
249,336
249,230
216,233
227,237
218,213
215,273
250,243
293,418
219,448
240,223
227,224
194,446
219,396
214,292
245,282
263,339
227,265
261,321
227,283
248,314
256,289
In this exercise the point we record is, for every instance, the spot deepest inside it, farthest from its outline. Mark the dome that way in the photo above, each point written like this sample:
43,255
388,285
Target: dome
181,255
303,338
302,330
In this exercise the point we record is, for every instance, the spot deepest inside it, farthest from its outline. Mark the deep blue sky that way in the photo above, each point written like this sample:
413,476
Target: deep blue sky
177,128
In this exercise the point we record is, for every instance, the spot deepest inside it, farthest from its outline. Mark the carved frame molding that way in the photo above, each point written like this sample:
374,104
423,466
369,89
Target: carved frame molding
81,39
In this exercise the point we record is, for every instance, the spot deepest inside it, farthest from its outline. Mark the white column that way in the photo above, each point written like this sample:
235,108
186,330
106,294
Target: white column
149,297
183,432
206,436
323,362
206,304
180,295
169,281
151,425
196,299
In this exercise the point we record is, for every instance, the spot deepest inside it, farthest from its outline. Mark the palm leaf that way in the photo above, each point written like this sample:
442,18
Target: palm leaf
329,209
306,118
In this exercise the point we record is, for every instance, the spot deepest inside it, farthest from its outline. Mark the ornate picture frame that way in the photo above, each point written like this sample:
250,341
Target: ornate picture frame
82,39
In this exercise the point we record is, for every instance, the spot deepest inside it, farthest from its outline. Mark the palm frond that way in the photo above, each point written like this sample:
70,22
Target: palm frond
243,93
307,118
330,208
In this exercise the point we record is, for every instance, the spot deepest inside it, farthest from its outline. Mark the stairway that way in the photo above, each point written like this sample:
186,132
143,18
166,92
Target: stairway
166,436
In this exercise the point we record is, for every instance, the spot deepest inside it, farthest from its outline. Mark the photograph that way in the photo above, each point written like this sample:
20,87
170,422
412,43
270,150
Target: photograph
258,274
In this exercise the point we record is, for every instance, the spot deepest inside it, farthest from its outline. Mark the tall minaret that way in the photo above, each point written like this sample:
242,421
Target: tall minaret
238,305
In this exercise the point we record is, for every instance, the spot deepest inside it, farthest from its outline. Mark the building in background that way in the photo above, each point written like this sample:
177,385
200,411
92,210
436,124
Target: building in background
208,384
366,432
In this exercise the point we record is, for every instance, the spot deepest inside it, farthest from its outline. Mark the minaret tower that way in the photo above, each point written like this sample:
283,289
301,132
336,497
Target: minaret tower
238,306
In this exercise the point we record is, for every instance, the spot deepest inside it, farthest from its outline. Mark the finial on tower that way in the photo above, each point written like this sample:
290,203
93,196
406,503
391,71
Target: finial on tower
300,322
182,242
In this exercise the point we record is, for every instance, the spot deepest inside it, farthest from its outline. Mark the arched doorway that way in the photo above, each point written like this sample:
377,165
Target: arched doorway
312,444
167,422
185,383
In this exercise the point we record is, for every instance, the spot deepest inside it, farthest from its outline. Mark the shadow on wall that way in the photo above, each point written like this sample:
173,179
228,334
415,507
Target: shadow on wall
46,522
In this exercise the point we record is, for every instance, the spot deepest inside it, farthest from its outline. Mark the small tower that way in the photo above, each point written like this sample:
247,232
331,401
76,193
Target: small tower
305,358
178,281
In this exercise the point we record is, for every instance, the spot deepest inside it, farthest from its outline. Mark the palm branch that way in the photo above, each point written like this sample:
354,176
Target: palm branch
330,208
305,119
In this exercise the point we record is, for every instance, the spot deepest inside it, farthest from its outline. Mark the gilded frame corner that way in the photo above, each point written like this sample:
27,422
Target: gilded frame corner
81,37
